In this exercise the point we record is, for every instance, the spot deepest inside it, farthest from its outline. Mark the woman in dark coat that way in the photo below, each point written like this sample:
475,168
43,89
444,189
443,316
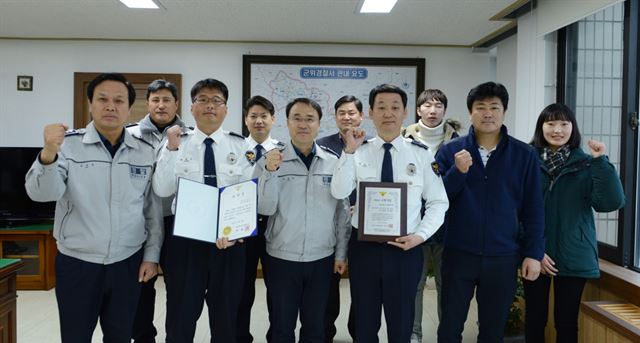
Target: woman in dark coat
574,184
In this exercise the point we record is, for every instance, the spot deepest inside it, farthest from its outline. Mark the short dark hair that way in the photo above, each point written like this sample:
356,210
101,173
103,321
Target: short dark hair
307,101
431,94
161,84
552,112
387,88
488,90
258,100
209,84
347,99
117,77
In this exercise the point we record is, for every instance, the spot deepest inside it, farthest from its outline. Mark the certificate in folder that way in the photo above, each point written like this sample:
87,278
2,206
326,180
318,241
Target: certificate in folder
207,213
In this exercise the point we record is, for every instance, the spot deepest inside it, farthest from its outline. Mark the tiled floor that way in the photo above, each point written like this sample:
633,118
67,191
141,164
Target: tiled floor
38,317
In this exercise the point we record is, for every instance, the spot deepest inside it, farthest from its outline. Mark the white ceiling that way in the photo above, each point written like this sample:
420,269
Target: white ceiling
421,22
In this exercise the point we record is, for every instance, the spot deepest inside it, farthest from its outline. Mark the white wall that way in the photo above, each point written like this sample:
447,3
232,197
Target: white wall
506,60
52,64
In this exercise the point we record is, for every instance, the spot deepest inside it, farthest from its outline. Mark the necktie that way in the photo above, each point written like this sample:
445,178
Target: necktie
387,168
209,164
259,149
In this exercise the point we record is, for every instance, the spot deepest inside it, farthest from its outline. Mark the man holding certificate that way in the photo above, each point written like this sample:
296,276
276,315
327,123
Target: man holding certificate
197,269
393,174
308,229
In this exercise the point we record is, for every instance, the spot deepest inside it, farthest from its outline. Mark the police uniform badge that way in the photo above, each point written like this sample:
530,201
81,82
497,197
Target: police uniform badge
251,156
436,168
232,158
411,169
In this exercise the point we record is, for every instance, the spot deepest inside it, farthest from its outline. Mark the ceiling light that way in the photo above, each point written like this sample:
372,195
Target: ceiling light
377,6
139,3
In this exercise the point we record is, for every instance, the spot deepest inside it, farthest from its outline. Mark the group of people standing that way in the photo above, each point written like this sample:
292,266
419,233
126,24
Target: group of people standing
480,207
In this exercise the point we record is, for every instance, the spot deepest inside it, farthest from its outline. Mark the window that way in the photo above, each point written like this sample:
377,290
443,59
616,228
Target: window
598,80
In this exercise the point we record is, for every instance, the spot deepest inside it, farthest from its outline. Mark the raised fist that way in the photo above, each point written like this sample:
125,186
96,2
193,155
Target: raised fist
273,159
463,161
53,138
173,137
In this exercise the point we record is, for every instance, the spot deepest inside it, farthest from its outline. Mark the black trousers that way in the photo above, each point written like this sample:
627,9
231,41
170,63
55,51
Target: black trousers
567,292
143,329
492,278
298,287
383,275
88,291
333,311
197,272
256,250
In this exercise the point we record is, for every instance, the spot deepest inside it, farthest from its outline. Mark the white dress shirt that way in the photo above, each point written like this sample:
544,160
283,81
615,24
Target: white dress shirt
412,164
188,161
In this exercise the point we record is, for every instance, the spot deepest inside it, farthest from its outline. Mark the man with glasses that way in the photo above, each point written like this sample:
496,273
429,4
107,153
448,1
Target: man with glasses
308,229
196,270
162,104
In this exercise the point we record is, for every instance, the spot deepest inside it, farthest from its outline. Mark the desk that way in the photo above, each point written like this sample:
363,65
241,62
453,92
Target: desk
8,271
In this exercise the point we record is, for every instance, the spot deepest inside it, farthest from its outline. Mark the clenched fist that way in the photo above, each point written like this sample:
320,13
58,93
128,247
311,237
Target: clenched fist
353,139
53,138
173,137
273,160
463,161
597,148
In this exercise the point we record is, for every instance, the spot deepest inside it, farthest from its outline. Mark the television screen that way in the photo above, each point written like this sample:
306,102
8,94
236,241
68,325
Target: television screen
16,208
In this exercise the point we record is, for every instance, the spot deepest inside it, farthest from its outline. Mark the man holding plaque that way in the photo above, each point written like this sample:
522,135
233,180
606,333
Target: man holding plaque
308,229
496,220
385,266
197,270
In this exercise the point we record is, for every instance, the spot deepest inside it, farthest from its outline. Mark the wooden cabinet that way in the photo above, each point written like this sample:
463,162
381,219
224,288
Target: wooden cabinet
8,268
35,246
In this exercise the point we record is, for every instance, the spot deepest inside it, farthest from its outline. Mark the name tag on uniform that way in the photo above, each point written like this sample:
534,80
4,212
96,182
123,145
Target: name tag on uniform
326,180
137,172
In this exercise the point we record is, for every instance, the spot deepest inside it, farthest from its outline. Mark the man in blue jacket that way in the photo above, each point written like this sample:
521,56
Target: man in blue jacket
495,218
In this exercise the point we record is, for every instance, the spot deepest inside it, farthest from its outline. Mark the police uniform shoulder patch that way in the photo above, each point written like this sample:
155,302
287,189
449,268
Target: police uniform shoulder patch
231,133
74,132
250,155
436,168
327,149
418,143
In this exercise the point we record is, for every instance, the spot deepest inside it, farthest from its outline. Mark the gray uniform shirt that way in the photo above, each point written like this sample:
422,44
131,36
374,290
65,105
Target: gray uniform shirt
150,134
105,208
306,223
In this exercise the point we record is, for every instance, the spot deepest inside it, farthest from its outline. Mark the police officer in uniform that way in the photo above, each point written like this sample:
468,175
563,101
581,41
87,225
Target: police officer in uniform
199,271
162,104
108,220
375,275
308,229
259,116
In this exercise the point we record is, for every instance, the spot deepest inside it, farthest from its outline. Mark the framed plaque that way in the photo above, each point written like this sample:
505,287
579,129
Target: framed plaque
382,211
